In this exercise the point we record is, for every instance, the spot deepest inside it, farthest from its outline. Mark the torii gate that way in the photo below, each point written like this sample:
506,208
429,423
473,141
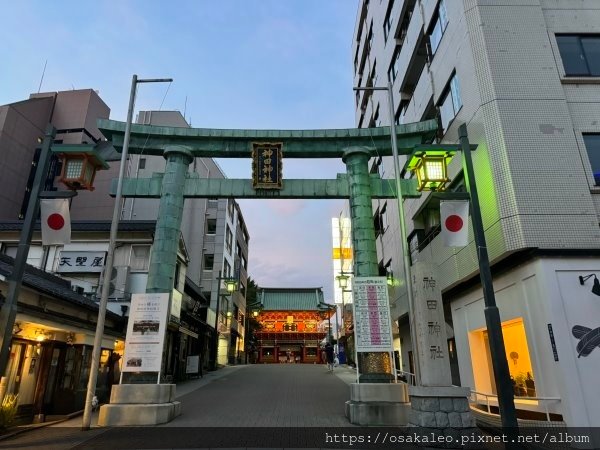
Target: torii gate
354,145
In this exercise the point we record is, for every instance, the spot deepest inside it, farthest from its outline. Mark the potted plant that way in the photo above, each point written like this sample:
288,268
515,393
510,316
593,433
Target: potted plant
8,410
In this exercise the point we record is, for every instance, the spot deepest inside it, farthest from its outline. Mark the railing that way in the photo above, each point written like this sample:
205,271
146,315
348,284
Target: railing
409,377
543,400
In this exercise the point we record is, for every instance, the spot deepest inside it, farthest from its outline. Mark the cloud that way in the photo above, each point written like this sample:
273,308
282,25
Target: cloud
285,207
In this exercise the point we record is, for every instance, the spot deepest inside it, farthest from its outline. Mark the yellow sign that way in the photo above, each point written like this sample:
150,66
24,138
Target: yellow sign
345,252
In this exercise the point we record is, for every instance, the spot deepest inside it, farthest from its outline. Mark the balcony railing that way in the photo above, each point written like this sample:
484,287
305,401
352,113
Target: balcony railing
528,403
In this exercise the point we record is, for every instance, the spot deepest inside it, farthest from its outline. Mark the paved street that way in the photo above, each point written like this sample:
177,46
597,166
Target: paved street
285,396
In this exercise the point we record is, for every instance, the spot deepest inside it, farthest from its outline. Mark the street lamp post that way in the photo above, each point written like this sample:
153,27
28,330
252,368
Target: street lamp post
91,386
439,159
342,280
506,401
231,286
402,220
8,311
247,333
88,160
327,308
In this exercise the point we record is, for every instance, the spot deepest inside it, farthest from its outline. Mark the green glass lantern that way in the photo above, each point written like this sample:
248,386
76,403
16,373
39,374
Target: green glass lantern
431,168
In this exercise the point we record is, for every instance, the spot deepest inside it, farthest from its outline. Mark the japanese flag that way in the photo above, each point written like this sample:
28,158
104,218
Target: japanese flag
454,216
56,222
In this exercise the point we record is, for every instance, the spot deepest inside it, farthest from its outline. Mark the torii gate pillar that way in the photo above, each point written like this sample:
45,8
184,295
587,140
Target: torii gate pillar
374,367
163,259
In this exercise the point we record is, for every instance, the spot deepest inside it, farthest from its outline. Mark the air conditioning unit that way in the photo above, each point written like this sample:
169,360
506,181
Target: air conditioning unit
119,283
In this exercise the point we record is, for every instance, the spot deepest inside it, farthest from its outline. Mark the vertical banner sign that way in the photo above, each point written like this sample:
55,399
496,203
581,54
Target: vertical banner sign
430,326
266,165
145,332
373,327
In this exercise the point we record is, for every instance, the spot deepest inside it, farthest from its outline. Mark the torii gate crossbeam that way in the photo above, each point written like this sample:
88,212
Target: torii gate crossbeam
220,143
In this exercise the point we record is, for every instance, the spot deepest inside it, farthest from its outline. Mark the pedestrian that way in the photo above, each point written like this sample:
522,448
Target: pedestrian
329,354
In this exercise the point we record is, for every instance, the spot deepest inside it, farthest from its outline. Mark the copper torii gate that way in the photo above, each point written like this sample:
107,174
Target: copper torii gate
354,145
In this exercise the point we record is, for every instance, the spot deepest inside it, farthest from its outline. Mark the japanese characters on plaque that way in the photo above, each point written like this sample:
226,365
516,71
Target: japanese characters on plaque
266,165
145,333
373,324
430,326
81,261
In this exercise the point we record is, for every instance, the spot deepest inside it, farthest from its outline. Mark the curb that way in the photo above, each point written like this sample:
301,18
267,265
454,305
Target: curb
24,428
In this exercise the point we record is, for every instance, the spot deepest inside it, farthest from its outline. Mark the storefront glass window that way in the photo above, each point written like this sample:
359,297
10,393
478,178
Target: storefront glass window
517,355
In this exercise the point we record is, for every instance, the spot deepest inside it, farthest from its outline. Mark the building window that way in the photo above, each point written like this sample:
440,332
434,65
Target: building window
592,145
393,70
226,269
440,24
517,354
580,54
228,240
211,226
231,209
209,261
140,257
176,277
450,102
10,250
389,19
381,220
384,218
142,164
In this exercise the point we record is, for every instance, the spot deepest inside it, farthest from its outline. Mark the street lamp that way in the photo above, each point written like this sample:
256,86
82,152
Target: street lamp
431,168
506,403
91,386
231,285
8,308
402,220
342,280
80,163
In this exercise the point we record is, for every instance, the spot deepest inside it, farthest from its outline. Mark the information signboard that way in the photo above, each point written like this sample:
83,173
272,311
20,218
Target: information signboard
373,325
145,333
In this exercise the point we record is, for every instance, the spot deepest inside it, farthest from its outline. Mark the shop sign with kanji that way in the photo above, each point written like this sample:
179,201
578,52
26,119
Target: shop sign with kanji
81,262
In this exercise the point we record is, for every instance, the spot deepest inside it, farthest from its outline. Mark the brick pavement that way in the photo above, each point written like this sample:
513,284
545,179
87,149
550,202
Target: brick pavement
241,397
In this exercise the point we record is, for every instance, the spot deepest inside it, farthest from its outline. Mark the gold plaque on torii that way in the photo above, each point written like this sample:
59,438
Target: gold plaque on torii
267,165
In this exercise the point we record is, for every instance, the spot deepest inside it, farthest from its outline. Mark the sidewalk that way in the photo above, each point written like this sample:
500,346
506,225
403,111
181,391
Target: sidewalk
74,420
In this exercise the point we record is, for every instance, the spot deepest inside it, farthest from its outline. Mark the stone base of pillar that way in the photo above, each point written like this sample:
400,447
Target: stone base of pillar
374,404
443,411
140,404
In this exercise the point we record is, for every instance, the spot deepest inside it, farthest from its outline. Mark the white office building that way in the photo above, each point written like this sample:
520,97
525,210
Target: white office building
525,78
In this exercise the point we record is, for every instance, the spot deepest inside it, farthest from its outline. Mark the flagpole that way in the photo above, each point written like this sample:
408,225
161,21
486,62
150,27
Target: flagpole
8,310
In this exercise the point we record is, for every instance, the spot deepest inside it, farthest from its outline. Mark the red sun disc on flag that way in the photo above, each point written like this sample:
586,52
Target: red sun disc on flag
454,223
56,221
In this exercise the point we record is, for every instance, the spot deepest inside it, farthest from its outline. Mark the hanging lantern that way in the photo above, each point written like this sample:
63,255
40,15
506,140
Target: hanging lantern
79,165
431,168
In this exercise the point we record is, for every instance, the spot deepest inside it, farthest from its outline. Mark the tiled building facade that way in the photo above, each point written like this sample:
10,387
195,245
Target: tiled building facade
524,77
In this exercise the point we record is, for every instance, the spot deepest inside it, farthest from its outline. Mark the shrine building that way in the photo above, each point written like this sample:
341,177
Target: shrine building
290,325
